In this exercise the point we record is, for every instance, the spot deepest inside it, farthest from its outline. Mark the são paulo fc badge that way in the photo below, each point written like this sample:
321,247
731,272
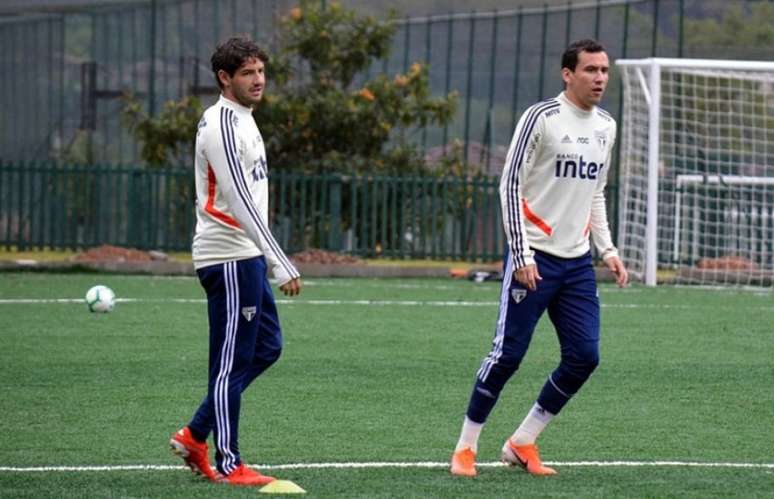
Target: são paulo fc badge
601,136
518,295
248,313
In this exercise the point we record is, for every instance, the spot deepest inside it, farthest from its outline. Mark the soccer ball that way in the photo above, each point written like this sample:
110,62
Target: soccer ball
100,299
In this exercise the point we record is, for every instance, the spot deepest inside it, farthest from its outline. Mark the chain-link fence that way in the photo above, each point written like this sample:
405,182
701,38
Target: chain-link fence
62,75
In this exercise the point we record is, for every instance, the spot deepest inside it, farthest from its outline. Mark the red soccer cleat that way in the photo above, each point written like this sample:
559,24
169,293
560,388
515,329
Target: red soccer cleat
246,476
526,456
193,452
463,462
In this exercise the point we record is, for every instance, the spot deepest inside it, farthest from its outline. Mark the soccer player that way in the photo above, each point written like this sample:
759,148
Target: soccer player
233,250
552,196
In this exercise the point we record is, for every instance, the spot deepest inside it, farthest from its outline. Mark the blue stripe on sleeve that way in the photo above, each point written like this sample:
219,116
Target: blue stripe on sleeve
229,144
244,192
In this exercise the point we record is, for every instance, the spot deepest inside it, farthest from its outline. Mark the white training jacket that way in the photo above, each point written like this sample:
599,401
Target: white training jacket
552,190
232,192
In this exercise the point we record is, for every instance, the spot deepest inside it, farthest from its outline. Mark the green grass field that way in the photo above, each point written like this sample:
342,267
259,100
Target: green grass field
379,371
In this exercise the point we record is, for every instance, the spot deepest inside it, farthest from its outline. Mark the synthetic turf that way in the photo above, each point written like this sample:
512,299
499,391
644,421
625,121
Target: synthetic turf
685,376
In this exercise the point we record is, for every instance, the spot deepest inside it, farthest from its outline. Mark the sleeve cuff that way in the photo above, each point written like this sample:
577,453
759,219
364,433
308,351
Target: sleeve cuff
284,277
528,260
610,253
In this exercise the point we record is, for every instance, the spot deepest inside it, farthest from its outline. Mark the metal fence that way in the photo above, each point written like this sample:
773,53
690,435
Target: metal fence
48,205
61,75
716,216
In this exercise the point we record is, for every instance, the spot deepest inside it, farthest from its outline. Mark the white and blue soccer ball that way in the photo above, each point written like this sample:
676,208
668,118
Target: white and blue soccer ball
100,299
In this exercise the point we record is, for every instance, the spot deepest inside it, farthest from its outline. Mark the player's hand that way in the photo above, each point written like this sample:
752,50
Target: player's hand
616,266
292,287
528,276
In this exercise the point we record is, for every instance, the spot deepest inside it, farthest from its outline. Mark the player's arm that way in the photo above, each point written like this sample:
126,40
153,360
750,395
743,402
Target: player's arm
600,229
523,151
221,153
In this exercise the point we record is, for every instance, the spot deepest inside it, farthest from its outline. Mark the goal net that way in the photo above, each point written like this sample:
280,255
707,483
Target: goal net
697,171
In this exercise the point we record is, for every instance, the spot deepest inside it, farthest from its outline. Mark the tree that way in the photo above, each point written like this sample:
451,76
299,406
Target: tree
317,119
739,33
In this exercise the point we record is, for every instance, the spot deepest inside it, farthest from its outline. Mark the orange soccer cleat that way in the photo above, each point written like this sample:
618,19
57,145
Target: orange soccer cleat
193,452
527,456
246,476
463,462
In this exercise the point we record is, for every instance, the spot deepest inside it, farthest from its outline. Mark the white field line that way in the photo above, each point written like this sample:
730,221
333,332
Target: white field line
382,303
353,465
382,283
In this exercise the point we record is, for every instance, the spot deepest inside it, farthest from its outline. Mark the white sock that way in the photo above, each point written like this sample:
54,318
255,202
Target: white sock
469,435
533,424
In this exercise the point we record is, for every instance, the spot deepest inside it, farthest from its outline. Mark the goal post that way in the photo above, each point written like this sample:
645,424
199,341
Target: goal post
696,191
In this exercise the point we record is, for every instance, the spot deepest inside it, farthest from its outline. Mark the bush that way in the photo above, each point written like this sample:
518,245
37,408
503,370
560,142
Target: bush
316,119
168,138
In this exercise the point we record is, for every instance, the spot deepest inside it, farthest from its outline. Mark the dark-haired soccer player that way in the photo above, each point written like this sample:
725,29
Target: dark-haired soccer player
233,250
552,195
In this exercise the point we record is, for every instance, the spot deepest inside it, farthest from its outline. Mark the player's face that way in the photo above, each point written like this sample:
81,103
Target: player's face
586,85
247,84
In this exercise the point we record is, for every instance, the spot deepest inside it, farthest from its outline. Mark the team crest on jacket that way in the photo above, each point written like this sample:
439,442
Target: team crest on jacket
242,149
601,137
248,313
518,295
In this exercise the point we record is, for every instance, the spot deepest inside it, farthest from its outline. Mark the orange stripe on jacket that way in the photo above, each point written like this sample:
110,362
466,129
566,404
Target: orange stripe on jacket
539,222
210,206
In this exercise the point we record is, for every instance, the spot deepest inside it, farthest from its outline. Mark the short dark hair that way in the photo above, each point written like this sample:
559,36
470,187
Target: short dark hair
231,54
570,56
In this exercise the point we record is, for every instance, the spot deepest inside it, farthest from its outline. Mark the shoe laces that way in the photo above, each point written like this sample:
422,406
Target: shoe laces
467,457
